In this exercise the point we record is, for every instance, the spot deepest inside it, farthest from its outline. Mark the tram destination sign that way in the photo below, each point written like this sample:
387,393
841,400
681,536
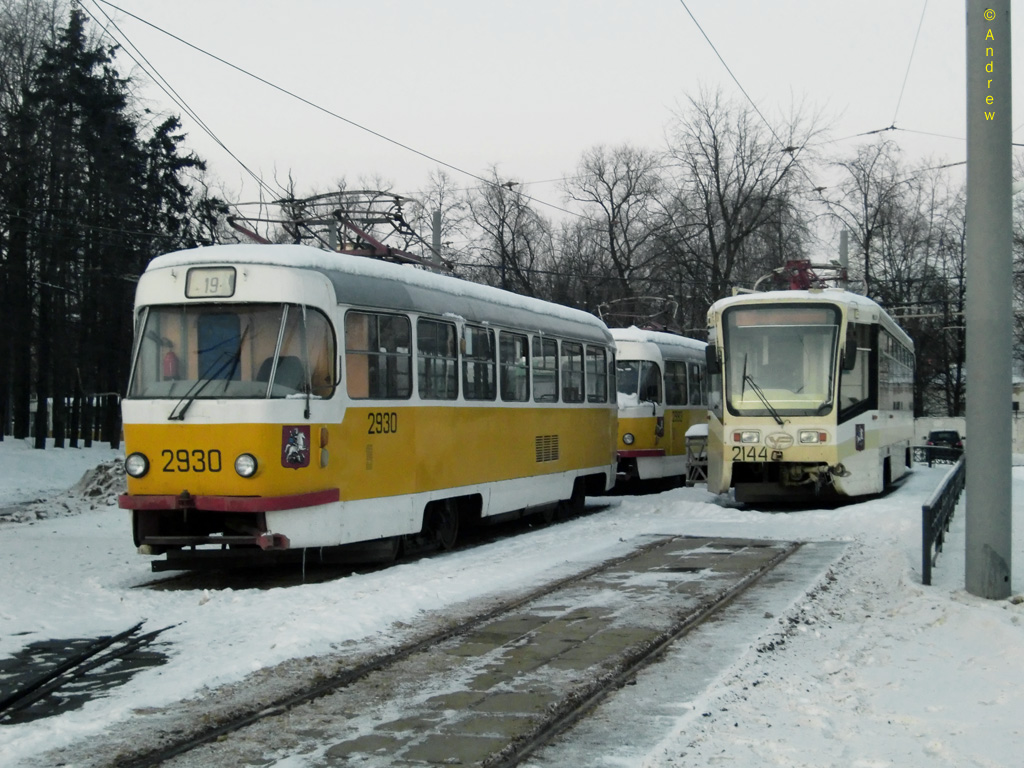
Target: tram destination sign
210,282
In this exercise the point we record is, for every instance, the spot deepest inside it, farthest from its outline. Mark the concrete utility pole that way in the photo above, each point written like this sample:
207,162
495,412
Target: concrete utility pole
989,299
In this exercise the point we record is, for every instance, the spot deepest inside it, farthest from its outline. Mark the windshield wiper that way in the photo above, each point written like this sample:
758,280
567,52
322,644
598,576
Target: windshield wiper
761,396
195,390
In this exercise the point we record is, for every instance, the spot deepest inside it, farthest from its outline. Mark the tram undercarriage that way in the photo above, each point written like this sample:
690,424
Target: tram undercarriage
775,481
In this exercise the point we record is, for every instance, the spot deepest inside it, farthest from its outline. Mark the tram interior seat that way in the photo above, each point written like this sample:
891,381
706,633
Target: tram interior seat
290,372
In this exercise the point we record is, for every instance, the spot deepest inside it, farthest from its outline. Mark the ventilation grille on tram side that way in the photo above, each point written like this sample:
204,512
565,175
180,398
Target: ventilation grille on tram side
547,447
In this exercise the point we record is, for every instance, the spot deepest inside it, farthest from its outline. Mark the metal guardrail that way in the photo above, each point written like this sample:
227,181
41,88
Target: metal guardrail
936,514
936,454
696,459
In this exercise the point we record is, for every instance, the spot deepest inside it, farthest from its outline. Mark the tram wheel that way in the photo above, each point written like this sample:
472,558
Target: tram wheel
442,523
392,549
574,505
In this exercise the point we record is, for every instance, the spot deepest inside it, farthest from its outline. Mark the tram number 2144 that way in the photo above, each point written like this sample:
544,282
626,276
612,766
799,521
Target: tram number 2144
749,453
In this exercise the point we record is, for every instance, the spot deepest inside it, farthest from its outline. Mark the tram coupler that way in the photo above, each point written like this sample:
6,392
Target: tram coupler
269,541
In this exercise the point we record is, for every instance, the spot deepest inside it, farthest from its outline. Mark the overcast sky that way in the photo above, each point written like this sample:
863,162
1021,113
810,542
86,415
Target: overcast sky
529,85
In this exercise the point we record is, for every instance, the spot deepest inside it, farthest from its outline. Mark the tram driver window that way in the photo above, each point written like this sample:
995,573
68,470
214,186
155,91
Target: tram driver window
854,386
377,356
650,382
307,354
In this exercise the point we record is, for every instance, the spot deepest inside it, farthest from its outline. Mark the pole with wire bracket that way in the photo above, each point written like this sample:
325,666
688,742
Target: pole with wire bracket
989,299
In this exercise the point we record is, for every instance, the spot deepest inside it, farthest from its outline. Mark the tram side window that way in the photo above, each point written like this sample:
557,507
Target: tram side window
545,370
596,375
855,384
698,384
572,372
437,360
895,374
478,363
675,383
514,357
378,356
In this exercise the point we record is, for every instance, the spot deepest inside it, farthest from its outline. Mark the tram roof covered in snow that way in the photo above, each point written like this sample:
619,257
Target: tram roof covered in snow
361,281
643,336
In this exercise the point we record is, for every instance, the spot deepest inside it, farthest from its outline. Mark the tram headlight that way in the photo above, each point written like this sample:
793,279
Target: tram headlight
246,465
747,436
136,465
628,438
812,437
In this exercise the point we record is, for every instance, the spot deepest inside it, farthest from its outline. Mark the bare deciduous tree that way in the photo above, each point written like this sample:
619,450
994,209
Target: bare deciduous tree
872,186
736,190
620,190
515,242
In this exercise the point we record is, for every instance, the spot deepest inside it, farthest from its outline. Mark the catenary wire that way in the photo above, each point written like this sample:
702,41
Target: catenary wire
792,150
172,94
727,69
328,112
906,75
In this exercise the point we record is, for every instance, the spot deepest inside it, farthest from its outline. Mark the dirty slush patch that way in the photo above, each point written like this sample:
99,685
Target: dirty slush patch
98,487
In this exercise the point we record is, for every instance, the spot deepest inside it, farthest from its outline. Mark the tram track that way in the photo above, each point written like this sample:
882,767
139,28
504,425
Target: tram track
45,681
563,721
589,650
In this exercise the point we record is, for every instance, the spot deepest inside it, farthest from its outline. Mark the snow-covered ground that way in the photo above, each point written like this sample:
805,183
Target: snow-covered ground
868,668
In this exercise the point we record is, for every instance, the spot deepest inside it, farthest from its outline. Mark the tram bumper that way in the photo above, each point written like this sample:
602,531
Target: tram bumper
167,522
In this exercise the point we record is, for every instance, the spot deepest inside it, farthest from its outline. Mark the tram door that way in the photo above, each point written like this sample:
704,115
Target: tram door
652,395
676,400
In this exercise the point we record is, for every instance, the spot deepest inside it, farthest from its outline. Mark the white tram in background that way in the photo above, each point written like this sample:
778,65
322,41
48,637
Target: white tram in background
284,398
811,391
662,394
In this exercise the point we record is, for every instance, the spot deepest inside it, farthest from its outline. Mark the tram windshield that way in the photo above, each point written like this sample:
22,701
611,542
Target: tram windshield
213,351
780,360
638,381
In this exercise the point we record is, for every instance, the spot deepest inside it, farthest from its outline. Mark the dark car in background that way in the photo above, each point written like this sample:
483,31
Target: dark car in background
947,438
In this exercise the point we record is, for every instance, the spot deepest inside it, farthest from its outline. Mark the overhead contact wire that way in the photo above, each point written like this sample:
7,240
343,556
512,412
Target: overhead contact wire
323,109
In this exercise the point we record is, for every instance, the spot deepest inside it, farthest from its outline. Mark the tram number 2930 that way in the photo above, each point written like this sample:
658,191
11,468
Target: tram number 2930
382,423
198,460
749,453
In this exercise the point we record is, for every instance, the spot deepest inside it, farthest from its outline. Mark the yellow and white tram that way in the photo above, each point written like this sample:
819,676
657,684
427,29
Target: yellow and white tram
286,398
810,391
662,394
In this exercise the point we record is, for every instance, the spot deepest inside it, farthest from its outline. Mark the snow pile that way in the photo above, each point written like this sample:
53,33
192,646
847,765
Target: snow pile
54,482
